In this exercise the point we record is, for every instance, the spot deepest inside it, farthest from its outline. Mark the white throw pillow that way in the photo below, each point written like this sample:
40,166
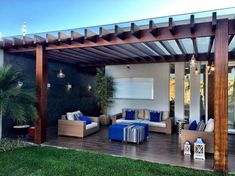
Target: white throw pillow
165,115
210,126
70,115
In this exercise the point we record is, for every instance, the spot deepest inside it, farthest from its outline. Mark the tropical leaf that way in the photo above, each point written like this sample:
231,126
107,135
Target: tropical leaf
19,103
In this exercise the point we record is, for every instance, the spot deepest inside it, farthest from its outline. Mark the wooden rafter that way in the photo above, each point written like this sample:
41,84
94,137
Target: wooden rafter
157,49
210,46
90,35
77,37
143,49
63,38
171,26
153,28
195,48
134,51
192,24
122,51
105,34
168,47
181,47
230,39
135,30
214,21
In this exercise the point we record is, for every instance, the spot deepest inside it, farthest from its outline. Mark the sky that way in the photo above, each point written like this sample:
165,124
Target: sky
51,15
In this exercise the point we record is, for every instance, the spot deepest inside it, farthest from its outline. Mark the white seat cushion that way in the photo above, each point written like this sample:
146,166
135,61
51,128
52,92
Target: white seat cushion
156,124
91,125
128,121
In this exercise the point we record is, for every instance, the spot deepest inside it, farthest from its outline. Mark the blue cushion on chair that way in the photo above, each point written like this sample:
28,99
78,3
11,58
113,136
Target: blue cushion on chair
193,125
130,115
155,116
85,119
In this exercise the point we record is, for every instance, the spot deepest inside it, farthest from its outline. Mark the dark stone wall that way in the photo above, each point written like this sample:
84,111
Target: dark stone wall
60,100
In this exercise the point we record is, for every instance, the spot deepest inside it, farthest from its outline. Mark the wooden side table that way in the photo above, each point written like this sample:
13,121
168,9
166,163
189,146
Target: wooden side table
104,120
180,125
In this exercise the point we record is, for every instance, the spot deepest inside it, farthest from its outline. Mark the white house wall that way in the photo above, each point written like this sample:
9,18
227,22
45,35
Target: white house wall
160,74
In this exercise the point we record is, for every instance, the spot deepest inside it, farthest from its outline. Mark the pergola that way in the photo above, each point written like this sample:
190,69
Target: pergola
167,39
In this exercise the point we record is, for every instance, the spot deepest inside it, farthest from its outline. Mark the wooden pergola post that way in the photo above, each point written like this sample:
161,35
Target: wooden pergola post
221,96
41,82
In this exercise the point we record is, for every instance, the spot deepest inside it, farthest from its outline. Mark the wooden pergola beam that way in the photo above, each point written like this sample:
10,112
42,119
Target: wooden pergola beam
221,96
41,82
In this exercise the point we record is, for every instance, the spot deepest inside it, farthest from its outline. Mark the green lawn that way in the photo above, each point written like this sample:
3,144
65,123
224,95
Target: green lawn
47,161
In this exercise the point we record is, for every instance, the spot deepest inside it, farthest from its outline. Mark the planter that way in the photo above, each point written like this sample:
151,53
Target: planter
104,120
21,130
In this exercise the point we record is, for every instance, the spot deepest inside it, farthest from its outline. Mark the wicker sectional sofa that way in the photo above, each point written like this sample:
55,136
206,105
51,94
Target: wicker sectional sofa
164,126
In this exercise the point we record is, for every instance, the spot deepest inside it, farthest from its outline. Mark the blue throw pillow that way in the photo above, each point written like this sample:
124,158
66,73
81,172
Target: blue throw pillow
155,116
193,125
85,119
130,115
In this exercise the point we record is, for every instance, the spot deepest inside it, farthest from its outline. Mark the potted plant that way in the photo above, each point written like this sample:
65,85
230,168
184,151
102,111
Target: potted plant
15,101
104,90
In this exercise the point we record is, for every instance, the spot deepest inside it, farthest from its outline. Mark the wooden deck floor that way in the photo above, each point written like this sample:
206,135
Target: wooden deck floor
160,148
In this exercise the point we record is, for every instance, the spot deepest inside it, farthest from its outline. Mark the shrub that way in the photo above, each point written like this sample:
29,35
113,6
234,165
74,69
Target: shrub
10,144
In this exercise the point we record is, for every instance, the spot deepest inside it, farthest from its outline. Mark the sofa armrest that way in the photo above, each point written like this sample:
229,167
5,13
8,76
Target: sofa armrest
72,122
64,117
71,128
169,125
95,119
115,117
186,126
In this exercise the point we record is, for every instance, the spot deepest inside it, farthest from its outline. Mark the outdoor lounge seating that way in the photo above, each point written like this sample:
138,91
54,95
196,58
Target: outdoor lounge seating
192,135
77,128
142,116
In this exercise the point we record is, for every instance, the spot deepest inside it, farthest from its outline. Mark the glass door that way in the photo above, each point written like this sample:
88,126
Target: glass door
231,98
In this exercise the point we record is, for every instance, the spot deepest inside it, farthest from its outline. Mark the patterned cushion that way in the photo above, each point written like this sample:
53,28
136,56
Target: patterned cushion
201,126
140,114
147,114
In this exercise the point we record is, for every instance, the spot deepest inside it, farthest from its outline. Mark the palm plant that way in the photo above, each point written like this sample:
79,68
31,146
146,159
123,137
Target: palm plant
18,103
104,90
